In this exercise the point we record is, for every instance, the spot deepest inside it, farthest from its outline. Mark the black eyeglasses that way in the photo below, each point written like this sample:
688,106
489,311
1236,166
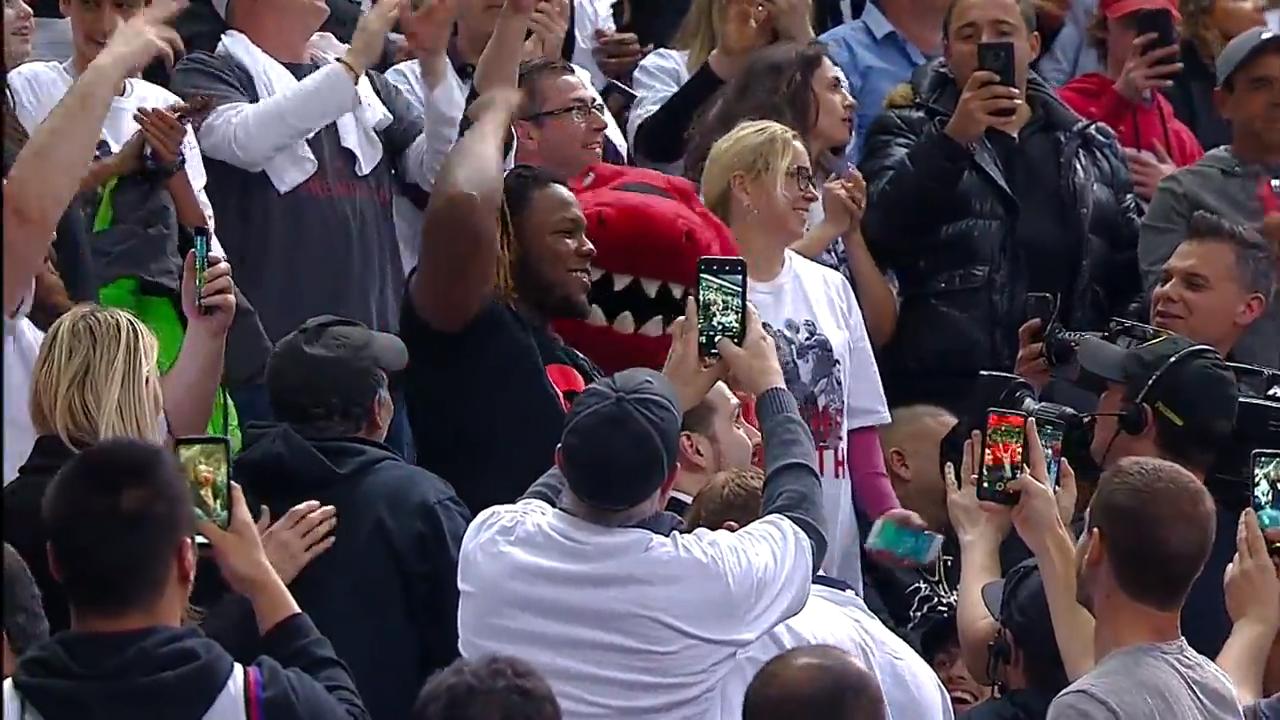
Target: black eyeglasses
580,112
803,178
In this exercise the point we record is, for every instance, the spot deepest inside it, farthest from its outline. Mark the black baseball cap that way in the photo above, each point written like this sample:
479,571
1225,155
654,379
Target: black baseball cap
1198,393
328,366
620,438
1019,604
1243,48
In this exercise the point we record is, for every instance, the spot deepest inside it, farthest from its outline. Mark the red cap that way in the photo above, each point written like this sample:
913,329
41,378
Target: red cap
1119,8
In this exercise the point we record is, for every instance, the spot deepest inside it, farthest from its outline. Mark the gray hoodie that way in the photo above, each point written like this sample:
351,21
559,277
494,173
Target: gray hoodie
1219,184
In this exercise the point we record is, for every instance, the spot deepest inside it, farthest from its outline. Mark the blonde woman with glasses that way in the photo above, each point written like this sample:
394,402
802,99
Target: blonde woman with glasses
759,180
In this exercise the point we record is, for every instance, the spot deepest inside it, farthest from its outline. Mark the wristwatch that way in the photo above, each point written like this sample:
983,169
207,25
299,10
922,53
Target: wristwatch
159,171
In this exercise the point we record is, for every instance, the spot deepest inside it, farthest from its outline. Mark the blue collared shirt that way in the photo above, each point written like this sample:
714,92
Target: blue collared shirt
875,59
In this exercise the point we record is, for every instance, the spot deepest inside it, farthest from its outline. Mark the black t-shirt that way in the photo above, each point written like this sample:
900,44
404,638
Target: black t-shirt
487,404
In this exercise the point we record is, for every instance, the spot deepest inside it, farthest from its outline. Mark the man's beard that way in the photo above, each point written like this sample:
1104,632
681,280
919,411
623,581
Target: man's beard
536,292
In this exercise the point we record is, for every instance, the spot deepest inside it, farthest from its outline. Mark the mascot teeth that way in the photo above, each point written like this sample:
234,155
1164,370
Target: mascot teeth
677,290
650,287
620,281
596,273
596,317
653,328
625,323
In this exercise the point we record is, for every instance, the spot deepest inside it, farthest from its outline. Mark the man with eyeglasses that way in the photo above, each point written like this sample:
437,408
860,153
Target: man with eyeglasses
560,123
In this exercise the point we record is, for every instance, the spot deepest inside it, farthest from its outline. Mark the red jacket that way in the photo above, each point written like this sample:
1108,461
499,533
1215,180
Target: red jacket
1141,127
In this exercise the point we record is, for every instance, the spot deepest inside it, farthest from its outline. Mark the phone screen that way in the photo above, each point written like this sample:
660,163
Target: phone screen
1002,455
722,302
200,236
1051,432
206,464
1266,487
917,546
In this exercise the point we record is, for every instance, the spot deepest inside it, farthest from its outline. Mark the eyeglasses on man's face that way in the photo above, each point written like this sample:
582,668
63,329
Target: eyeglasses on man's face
579,111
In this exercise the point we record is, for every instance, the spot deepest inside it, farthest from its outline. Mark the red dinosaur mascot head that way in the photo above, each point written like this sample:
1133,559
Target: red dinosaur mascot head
649,230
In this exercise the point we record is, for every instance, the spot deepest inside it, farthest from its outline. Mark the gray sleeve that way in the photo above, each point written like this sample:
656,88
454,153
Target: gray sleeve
792,486
1079,705
1163,228
546,488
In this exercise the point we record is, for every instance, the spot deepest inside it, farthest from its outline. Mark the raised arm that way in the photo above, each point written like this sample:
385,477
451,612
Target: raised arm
247,133
499,65
34,196
459,254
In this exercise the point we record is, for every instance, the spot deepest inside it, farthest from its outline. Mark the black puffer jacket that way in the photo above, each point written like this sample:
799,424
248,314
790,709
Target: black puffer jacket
943,220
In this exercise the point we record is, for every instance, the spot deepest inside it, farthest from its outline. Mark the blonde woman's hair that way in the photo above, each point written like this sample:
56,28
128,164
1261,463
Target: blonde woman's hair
699,30
96,378
757,149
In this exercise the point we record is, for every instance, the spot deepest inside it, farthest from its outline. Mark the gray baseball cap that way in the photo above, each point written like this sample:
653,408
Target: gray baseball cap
1242,49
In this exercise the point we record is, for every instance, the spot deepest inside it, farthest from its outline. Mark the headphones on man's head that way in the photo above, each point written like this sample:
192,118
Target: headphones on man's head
1133,418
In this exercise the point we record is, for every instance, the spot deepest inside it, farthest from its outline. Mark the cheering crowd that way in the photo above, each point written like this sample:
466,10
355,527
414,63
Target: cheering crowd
428,268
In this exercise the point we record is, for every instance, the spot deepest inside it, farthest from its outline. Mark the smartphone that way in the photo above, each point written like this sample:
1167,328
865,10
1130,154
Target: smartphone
622,89
920,547
722,302
1002,446
1273,19
1161,24
200,236
206,464
1266,488
1041,306
1051,433
998,58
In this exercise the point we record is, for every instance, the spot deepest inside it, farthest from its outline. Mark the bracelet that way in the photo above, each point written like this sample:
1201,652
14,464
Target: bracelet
355,76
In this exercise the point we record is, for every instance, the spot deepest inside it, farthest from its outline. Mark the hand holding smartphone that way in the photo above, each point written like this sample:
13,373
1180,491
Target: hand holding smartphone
1002,455
206,463
918,547
1051,433
722,302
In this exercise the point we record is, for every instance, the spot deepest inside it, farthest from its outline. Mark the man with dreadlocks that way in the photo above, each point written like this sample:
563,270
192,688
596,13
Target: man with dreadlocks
488,382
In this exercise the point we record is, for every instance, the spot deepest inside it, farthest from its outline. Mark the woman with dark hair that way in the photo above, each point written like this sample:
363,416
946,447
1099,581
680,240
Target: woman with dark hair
798,86
1207,27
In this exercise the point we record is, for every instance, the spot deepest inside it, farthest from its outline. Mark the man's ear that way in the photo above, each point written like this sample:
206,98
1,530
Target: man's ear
524,134
1035,41
1251,310
690,455
1221,99
899,468
187,562
730,525
54,568
1095,553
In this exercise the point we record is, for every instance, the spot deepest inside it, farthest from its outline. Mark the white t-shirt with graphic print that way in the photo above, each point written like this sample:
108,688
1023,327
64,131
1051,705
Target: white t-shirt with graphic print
830,368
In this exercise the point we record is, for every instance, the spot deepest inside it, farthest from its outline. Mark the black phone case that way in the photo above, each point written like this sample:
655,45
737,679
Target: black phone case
1160,23
721,267
998,58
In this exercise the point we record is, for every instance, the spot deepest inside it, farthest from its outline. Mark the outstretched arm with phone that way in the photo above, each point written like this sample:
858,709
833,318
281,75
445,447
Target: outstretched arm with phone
191,385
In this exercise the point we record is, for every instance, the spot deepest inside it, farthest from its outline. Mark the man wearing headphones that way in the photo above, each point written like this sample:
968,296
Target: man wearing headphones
1023,662
1175,400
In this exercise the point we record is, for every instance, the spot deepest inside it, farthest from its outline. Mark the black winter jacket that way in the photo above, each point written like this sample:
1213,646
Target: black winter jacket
943,219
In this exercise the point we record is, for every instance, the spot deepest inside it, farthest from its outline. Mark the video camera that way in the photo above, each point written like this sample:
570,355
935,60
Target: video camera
1257,427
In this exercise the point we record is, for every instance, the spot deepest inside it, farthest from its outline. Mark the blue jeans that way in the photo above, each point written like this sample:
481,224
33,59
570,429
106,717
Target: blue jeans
254,405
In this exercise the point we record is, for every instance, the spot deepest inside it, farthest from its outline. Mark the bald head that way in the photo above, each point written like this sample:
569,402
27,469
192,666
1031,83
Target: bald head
818,682
912,443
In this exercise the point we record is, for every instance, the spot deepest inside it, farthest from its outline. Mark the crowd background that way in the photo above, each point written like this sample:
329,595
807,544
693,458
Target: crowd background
429,266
